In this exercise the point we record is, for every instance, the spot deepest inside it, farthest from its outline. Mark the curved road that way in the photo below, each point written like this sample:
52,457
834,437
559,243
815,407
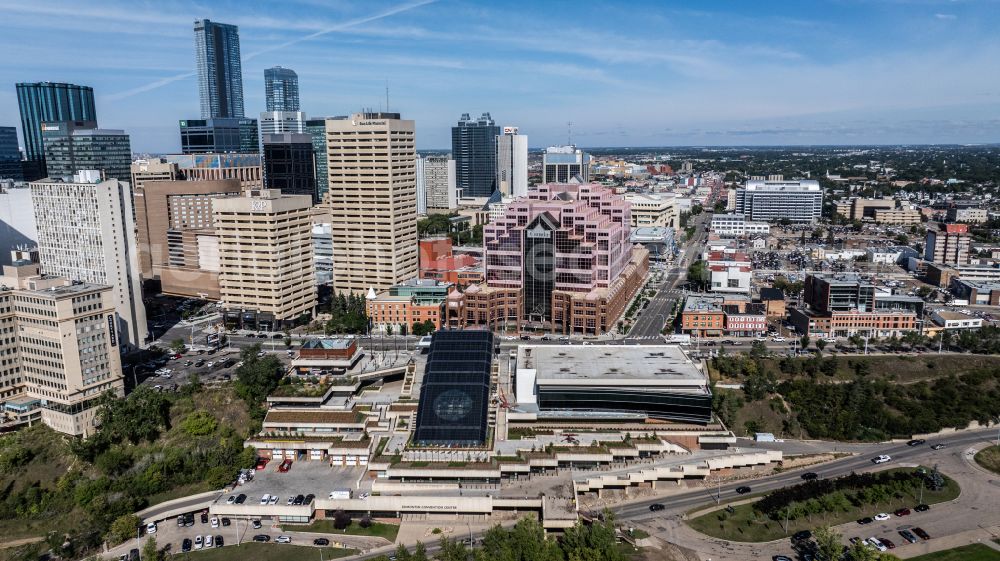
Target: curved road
683,502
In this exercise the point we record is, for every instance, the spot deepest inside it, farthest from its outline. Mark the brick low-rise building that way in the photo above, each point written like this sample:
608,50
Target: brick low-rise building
407,303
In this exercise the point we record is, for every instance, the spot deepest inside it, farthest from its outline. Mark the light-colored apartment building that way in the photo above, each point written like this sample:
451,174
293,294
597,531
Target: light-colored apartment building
436,182
86,233
59,347
265,255
372,198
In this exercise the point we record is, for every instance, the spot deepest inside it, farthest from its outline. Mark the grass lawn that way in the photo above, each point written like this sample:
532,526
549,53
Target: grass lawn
989,458
379,529
265,552
746,525
974,552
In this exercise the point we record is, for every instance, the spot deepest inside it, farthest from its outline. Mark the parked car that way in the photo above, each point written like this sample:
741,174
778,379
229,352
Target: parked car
186,545
908,536
309,499
215,522
921,533
199,542
264,500
255,523
887,542
873,541
882,516
801,535
209,541
225,521
285,466
937,446
902,512
283,539
204,518
262,463
151,528
290,501
922,508
321,541
262,538
180,521
240,498
219,541
865,520
273,500
231,500
881,459
299,499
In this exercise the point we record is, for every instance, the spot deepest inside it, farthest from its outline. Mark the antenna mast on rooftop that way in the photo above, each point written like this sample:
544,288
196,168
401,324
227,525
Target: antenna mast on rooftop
569,133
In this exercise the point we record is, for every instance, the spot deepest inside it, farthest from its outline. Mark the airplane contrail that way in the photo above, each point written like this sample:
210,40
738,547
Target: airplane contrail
339,27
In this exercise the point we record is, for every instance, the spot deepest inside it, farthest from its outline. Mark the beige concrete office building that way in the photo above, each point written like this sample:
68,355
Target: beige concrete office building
265,255
652,210
173,220
371,160
59,347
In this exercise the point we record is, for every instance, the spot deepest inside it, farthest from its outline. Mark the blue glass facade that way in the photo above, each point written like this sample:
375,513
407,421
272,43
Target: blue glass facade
50,102
79,145
281,89
220,72
474,149
288,164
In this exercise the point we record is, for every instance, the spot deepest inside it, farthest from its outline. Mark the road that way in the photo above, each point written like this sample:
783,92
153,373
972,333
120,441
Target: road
650,322
683,502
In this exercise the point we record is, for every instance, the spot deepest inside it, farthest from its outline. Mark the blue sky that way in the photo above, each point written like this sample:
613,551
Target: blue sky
624,73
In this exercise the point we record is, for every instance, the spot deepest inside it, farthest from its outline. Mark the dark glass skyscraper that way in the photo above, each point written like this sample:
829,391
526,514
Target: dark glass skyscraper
474,148
71,146
289,164
220,73
10,156
281,89
50,102
201,136
316,129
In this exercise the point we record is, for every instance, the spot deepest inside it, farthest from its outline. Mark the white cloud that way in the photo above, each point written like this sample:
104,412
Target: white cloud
946,16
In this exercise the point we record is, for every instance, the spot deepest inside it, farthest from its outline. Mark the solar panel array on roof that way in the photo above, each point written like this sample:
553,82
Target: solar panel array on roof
454,396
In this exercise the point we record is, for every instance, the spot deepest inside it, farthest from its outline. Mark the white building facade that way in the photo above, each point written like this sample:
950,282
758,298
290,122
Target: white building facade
799,201
86,233
512,163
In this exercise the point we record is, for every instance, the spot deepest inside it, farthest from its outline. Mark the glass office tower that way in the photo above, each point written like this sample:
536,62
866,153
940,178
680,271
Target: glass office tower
474,149
281,89
50,102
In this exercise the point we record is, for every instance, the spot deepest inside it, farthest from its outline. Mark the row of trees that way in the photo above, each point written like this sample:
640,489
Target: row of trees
256,378
842,493
349,314
526,541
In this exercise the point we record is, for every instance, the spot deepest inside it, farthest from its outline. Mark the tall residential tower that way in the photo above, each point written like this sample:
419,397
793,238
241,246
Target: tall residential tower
86,233
512,163
220,73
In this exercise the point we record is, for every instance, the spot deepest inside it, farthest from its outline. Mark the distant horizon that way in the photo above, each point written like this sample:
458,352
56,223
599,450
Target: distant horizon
844,73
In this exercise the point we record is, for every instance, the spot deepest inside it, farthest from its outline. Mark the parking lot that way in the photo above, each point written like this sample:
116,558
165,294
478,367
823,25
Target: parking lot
305,477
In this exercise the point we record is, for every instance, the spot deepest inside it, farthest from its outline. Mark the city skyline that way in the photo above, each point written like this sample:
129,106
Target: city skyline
881,72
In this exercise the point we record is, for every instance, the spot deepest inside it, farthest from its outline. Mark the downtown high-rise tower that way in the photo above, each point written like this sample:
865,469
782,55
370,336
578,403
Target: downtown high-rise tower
220,74
474,148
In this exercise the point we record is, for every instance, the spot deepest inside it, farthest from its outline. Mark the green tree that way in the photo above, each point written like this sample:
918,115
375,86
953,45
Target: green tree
199,423
257,377
804,341
820,344
758,350
452,550
698,274
828,542
177,345
149,550
123,528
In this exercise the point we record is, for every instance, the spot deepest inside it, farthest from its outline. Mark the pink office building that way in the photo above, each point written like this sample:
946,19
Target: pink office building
559,259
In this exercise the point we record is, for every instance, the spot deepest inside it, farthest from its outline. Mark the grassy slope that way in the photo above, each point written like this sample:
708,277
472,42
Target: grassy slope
387,531
899,368
53,458
745,525
989,458
265,552
974,552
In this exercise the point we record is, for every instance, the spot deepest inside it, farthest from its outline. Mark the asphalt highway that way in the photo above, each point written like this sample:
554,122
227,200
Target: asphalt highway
900,453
